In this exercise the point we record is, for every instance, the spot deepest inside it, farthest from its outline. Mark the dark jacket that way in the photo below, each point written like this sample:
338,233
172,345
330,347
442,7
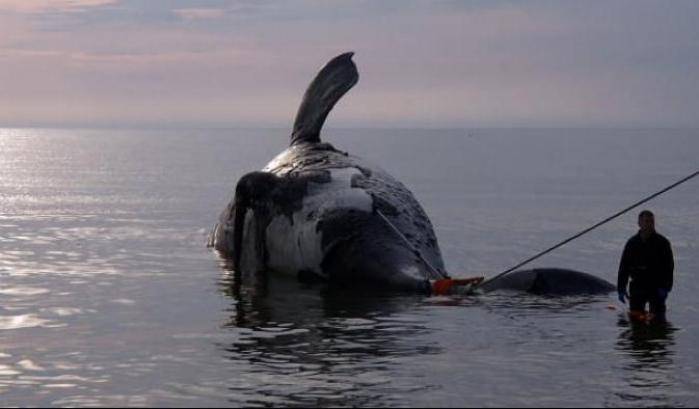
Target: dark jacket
649,263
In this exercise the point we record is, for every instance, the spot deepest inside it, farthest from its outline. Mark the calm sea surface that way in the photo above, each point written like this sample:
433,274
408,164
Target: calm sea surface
108,296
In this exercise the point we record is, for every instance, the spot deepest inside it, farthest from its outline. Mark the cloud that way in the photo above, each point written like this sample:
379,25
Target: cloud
421,64
199,13
42,6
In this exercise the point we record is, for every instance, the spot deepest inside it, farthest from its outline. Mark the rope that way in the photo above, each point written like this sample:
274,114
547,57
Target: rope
417,252
589,229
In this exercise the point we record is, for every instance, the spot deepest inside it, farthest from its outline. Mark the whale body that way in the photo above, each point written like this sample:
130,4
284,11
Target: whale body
317,212
550,281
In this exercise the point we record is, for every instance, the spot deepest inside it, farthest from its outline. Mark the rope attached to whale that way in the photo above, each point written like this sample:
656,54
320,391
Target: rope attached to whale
589,229
441,286
468,285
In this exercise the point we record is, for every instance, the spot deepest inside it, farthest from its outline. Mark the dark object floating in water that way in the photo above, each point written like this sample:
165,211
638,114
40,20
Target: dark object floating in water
550,281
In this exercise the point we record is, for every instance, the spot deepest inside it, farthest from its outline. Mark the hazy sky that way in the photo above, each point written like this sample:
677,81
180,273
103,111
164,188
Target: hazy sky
433,64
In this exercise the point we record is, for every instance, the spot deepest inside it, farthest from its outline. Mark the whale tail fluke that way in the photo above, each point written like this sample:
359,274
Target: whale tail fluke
332,82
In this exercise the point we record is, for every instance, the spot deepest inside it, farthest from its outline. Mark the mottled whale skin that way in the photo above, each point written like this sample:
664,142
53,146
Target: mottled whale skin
315,211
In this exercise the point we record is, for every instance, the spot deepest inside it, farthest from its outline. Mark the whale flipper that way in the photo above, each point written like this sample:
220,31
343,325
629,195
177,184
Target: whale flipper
331,83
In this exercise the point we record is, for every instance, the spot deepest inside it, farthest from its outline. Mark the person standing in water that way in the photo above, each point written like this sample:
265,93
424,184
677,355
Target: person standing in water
648,261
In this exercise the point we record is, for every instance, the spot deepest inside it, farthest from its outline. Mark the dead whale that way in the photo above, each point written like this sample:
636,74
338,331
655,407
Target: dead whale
317,212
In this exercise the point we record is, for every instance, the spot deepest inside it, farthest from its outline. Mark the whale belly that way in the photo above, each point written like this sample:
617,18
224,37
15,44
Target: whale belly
295,243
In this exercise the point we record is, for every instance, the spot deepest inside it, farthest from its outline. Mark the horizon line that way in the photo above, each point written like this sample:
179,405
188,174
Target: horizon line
149,126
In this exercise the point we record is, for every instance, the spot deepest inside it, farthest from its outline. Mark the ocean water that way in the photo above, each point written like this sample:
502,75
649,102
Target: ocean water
108,295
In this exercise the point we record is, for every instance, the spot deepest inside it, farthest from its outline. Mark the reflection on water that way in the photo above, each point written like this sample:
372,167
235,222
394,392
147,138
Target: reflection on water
649,370
526,304
320,346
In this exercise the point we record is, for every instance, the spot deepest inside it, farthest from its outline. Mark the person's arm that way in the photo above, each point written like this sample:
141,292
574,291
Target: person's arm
668,267
624,271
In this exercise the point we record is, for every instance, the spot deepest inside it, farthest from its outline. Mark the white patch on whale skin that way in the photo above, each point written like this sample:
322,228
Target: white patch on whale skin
298,246
412,270
281,159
